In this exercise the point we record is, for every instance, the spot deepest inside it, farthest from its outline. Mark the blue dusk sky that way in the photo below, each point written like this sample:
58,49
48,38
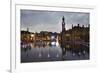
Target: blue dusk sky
38,21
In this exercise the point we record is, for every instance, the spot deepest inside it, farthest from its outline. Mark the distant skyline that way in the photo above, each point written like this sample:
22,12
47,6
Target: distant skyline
51,21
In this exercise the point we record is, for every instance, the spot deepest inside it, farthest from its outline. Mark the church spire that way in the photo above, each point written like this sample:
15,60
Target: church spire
27,29
72,26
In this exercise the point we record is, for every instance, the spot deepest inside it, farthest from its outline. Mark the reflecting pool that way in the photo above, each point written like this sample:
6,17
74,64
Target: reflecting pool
42,51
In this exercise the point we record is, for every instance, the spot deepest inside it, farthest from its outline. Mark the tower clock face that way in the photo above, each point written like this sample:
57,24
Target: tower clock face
63,24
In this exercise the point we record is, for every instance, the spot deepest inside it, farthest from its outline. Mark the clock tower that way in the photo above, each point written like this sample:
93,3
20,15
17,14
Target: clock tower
63,24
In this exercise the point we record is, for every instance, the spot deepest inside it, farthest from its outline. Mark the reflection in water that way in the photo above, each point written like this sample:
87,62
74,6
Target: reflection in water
53,51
